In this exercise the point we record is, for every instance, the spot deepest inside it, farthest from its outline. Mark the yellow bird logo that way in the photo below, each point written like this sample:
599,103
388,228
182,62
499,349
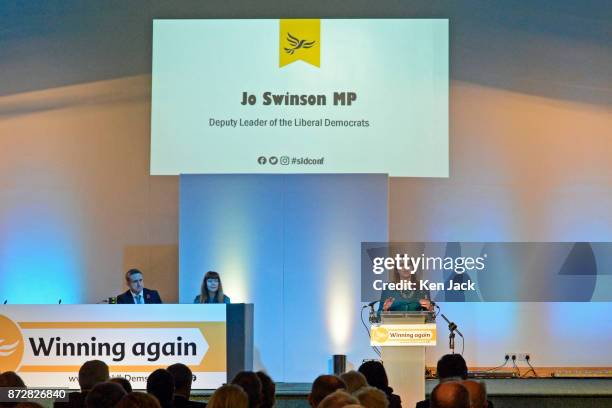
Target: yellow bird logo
11,345
7,349
297,44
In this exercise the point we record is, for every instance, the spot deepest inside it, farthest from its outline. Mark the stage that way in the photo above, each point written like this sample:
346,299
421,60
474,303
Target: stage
504,393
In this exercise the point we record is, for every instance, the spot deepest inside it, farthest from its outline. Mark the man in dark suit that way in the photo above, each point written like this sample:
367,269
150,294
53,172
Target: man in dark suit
183,378
137,293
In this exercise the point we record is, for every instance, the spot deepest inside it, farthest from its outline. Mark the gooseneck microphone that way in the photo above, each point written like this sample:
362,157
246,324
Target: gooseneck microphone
452,328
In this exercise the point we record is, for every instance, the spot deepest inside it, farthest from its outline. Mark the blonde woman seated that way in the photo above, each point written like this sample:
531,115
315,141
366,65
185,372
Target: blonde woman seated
212,290
229,396
354,381
339,398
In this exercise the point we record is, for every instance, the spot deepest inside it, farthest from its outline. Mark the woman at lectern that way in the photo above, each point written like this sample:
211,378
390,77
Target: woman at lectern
405,299
212,290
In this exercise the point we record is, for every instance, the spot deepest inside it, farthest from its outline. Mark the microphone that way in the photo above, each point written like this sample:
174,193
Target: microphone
433,304
5,300
373,318
451,325
60,302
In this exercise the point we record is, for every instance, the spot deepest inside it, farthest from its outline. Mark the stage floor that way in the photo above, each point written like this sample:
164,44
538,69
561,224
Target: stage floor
495,387
504,393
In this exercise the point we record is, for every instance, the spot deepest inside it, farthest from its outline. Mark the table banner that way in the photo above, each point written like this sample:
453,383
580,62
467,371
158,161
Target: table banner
46,344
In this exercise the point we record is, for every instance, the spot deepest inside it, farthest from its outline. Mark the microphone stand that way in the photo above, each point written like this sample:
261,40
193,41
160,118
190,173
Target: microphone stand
452,327
373,317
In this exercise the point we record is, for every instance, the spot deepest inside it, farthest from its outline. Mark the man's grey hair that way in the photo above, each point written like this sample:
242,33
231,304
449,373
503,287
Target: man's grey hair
372,397
337,399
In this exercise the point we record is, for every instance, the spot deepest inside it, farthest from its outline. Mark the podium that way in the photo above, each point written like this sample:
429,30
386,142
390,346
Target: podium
403,337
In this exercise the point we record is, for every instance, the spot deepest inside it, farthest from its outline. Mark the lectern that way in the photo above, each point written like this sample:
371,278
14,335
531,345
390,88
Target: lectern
403,337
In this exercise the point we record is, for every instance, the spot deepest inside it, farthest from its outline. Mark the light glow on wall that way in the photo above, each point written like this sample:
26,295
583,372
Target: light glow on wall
341,300
236,276
39,256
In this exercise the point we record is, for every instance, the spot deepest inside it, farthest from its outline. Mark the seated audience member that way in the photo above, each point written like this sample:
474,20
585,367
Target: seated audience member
478,393
268,390
354,381
322,386
371,397
122,382
92,372
183,378
376,376
12,380
136,292
250,383
338,399
160,384
138,400
450,367
211,290
105,395
450,395
229,396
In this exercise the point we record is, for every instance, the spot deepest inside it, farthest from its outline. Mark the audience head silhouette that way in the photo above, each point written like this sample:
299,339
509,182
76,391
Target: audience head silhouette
183,378
354,381
251,384
268,390
138,400
376,375
452,367
338,399
372,397
229,396
29,404
161,384
322,386
123,383
104,395
10,379
92,372
478,393
450,395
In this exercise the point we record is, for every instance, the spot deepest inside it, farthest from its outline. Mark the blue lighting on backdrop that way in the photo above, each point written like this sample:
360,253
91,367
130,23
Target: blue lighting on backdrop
39,257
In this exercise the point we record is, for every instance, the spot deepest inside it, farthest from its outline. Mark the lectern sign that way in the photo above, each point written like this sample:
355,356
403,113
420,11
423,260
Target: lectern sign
403,335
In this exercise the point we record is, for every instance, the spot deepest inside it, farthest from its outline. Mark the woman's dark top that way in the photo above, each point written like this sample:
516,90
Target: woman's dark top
226,300
404,300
